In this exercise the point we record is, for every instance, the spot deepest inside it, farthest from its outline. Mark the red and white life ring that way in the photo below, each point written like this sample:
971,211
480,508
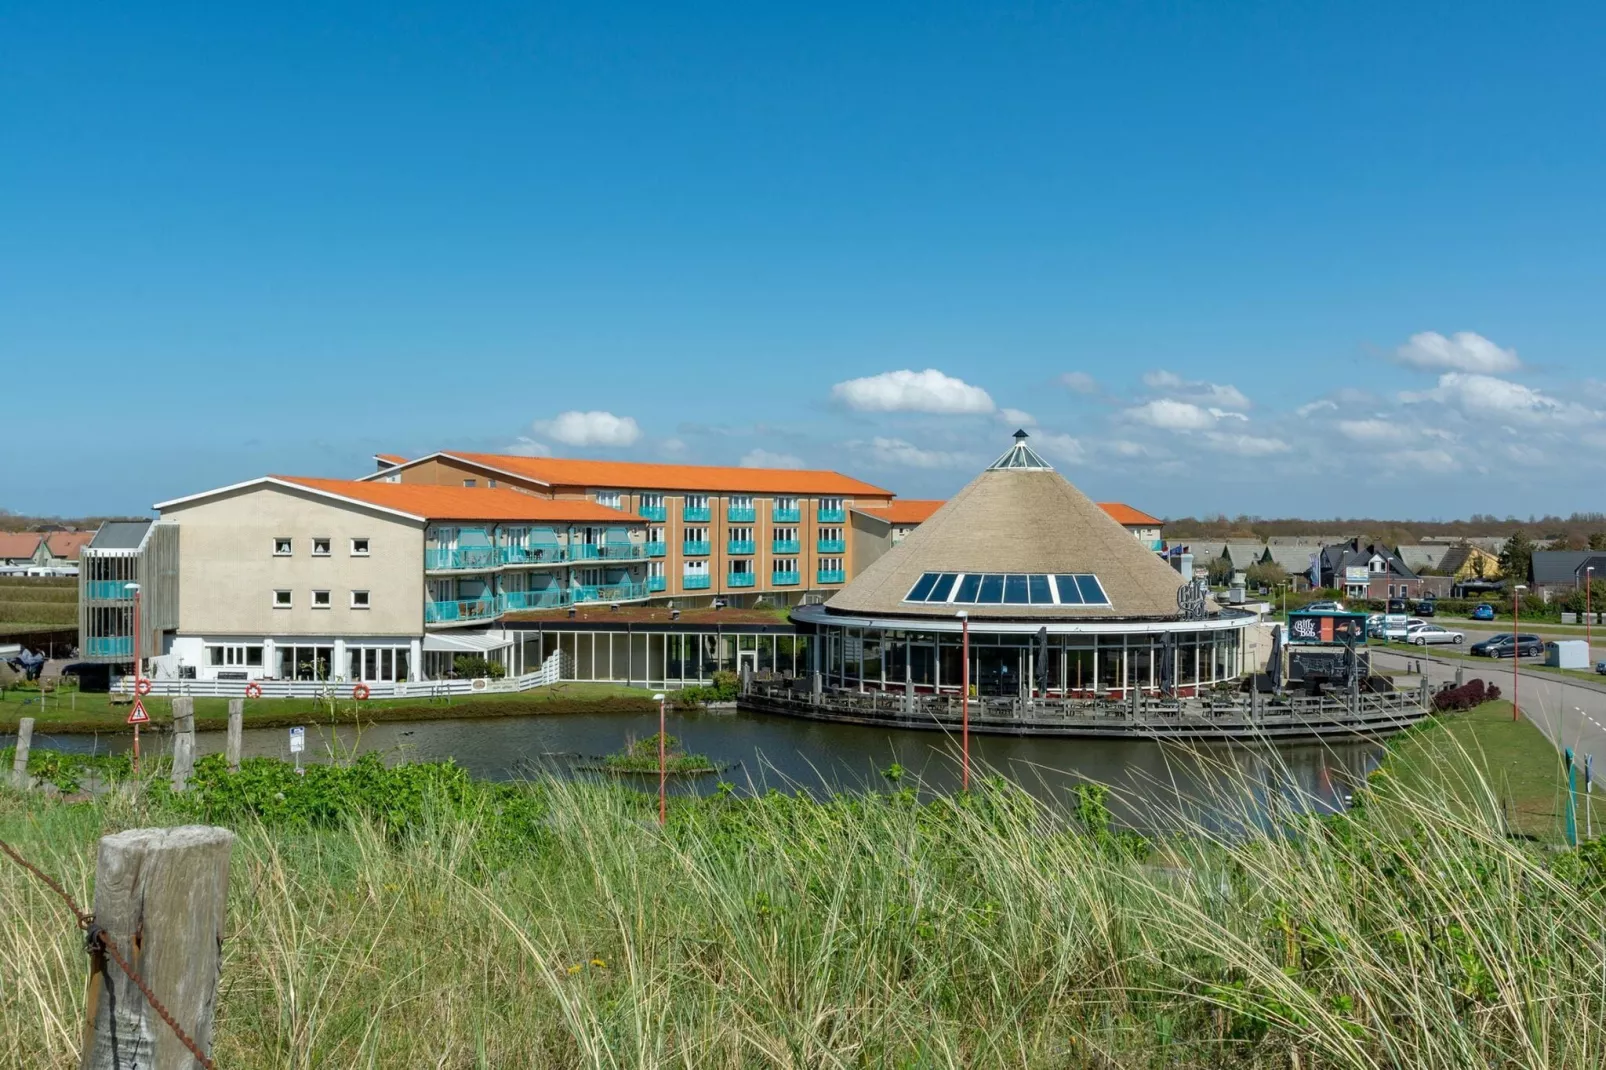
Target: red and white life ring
253,690
360,692
142,686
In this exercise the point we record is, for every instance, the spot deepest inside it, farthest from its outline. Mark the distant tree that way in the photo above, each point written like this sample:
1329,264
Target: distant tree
1597,540
1517,556
1266,574
1220,571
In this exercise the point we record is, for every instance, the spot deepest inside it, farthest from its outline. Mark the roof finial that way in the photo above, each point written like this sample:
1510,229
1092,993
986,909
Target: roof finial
1021,455
1021,435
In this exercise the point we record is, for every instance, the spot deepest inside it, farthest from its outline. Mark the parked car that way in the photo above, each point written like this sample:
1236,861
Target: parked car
1484,611
1507,645
1398,605
1424,608
1426,634
1600,667
1325,607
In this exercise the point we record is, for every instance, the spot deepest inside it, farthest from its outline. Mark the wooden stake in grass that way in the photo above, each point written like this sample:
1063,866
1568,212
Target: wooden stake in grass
183,742
161,895
19,765
236,726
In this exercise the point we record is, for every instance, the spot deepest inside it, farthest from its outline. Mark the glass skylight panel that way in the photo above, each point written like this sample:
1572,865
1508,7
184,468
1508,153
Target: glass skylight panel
1069,593
1015,590
1092,593
968,587
943,587
992,590
1007,589
1038,587
922,587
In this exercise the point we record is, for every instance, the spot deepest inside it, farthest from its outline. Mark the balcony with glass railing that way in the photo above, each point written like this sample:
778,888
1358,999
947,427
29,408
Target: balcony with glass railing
783,579
786,546
608,551
657,583
460,610
696,514
740,579
657,549
739,546
695,549
449,558
832,575
545,598
740,514
698,582
532,553
585,593
837,515
653,512
832,546
783,514
109,646
107,591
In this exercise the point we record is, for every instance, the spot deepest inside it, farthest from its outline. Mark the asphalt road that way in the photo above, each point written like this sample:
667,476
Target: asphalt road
1571,713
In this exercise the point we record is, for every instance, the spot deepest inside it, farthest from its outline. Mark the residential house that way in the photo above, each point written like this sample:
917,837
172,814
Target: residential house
1561,571
1368,571
1422,557
1466,563
60,549
1294,558
19,549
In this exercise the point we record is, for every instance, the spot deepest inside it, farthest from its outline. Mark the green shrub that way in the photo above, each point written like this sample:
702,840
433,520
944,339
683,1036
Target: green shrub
476,665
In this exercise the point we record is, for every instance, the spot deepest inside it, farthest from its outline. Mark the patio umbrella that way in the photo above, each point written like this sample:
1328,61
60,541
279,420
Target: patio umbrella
1276,666
1167,663
1042,659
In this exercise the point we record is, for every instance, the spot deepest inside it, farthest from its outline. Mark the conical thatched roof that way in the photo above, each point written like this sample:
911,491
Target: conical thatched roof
1019,516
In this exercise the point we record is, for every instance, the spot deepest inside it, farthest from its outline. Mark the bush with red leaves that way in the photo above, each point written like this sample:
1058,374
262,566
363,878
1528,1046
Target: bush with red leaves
1470,694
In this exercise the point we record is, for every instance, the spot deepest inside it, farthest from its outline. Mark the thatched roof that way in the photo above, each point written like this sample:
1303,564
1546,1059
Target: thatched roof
1019,516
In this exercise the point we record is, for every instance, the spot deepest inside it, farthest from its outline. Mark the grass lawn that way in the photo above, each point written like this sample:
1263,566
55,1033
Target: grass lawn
1513,759
82,712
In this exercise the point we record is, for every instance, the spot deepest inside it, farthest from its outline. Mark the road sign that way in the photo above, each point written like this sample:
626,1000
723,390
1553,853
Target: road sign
137,715
298,740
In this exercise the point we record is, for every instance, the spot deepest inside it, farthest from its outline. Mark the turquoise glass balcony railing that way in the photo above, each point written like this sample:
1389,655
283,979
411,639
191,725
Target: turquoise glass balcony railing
657,583
1157,545
833,546
110,646
653,512
475,557
832,516
699,582
486,607
740,579
534,553
786,514
108,591
695,512
739,546
787,546
656,549
833,575
695,549
546,598
783,579
740,514
608,551
608,592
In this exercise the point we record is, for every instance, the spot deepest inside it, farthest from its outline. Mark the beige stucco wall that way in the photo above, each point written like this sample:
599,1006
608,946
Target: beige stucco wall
228,571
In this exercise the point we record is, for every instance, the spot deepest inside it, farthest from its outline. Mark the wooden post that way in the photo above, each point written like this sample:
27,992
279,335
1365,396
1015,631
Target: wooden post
161,894
19,767
183,742
236,725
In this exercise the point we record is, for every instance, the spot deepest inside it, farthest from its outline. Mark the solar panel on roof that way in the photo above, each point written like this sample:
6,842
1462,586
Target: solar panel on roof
943,587
1011,589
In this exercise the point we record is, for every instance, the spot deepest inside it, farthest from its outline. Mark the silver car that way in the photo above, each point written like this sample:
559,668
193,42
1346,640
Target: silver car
1426,634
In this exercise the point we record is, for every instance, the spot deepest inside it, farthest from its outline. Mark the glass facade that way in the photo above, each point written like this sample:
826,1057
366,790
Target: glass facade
665,659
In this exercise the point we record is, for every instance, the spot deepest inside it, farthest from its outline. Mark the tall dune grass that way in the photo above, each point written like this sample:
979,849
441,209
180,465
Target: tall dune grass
865,931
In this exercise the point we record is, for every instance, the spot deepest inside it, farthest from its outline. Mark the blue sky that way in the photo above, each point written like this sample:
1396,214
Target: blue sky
1266,258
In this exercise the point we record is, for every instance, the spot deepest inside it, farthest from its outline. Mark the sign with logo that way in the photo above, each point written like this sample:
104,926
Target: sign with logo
298,740
1357,574
1191,601
1325,628
137,715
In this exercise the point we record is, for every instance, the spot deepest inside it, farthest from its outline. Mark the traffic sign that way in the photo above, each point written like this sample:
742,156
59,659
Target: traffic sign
137,715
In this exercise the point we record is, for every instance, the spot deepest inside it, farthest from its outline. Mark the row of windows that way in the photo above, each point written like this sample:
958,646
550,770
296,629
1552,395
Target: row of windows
1010,589
616,499
284,599
322,546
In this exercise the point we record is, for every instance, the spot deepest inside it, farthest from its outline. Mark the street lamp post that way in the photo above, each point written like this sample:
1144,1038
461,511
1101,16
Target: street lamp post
1516,644
663,767
964,699
138,675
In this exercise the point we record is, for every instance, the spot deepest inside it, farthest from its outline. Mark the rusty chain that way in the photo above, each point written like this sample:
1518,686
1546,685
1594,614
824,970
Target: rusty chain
97,940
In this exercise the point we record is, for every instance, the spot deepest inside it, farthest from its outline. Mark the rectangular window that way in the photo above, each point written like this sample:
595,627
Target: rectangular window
281,599
740,501
697,501
655,570
830,533
786,505
359,547
698,567
281,547
831,564
320,599
787,534
741,534
652,501
469,483
783,564
655,534
359,600
320,547
234,655
742,566
613,499
830,505
696,534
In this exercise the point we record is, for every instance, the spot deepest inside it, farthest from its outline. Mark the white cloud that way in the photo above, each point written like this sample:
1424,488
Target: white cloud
1317,406
1223,414
1122,447
528,447
1060,447
590,429
896,451
1245,445
1220,395
1525,453
1424,460
1374,431
761,458
1018,417
1486,395
911,391
1171,415
1079,383
1464,351
672,446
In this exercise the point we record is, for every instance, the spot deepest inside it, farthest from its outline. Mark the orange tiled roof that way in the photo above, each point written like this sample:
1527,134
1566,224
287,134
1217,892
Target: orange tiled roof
714,479
463,503
18,543
906,510
390,458
1122,513
67,543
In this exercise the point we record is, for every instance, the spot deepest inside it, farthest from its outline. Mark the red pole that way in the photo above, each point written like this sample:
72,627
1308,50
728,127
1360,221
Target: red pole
964,700
1516,644
663,805
137,677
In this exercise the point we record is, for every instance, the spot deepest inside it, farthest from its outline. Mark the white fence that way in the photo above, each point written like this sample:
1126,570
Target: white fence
550,672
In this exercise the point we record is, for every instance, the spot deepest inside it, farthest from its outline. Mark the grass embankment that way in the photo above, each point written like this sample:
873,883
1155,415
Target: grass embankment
78,712
30,605
412,918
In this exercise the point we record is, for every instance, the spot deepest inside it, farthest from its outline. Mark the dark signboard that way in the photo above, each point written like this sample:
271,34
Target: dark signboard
1326,627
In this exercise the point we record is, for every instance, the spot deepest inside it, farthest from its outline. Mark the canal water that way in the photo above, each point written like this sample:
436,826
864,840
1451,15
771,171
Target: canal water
1149,780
